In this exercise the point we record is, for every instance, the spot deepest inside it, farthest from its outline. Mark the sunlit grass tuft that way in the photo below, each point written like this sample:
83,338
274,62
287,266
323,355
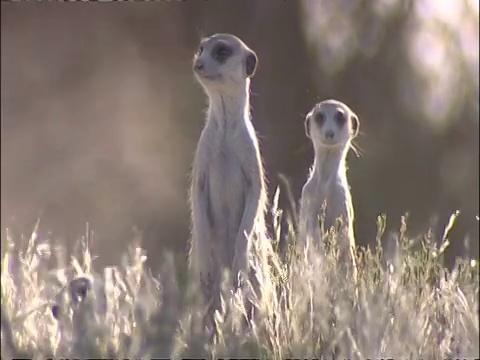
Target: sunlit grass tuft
405,304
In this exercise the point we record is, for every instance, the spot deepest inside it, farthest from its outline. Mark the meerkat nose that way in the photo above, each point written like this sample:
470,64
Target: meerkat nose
198,65
329,134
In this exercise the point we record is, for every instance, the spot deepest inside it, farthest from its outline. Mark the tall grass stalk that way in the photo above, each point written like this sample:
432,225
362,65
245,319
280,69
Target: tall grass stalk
405,304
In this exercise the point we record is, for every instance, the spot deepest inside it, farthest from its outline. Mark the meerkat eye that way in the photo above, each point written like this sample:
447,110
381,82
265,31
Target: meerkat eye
320,118
200,50
221,52
340,118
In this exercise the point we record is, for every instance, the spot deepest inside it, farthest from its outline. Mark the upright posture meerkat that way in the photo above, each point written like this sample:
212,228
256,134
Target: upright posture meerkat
331,125
228,197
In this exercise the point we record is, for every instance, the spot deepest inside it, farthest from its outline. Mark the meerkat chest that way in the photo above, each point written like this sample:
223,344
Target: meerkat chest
227,178
321,192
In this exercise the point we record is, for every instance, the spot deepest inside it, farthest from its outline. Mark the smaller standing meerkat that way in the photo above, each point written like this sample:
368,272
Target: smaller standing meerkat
331,125
227,195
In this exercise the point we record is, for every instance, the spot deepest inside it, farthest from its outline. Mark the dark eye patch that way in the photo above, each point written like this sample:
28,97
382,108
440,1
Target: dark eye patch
320,118
221,52
200,50
340,118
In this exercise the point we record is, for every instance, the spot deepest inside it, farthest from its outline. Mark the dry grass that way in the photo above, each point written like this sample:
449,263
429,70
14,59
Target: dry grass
405,305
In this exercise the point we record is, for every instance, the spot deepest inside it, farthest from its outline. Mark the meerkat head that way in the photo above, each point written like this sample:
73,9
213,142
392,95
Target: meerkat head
223,61
331,124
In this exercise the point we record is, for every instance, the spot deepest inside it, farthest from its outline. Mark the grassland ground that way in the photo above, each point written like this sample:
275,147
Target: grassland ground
406,304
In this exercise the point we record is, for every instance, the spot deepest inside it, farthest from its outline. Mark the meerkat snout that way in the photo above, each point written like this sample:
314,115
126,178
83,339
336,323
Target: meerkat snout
329,134
198,65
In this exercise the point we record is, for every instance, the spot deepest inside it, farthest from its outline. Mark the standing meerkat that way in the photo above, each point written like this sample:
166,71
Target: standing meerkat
331,125
228,197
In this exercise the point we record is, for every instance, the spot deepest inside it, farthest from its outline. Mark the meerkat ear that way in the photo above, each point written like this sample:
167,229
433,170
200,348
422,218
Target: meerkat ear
355,125
307,126
251,61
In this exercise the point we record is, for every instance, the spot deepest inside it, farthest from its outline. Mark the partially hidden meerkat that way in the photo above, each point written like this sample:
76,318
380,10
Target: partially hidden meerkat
331,125
227,195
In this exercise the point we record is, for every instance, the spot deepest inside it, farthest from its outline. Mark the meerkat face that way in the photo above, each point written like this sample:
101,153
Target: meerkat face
331,123
223,60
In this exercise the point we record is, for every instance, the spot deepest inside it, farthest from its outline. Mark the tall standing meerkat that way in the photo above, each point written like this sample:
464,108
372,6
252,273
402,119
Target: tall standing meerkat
331,125
228,196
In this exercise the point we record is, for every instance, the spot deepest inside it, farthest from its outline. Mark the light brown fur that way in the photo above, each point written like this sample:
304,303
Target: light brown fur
331,125
228,195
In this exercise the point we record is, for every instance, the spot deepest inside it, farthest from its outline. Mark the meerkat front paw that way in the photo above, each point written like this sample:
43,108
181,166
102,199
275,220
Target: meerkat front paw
239,270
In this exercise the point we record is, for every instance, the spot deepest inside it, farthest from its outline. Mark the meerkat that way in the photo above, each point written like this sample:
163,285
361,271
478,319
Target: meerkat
227,195
331,125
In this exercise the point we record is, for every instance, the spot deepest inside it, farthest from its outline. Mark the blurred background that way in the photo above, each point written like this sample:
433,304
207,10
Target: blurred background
101,112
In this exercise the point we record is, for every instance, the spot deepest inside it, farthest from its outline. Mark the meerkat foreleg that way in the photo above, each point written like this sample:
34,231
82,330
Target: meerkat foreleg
201,225
253,195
